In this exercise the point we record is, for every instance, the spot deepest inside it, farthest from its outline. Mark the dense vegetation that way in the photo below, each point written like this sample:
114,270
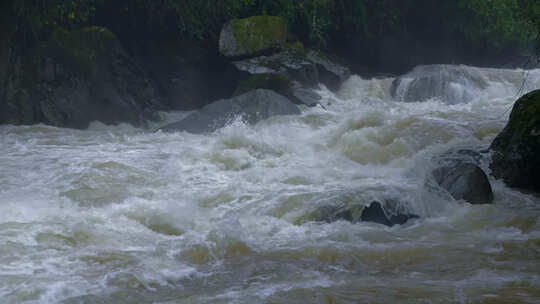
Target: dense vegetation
327,24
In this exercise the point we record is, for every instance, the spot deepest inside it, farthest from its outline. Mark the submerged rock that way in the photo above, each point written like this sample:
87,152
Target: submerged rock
389,213
252,36
253,106
516,150
452,84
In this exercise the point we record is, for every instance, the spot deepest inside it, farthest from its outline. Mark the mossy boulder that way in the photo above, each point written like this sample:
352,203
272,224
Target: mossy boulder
516,150
252,36
78,77
80,50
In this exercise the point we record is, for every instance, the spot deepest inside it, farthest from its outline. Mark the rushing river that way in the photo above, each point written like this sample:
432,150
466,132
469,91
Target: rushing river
116,214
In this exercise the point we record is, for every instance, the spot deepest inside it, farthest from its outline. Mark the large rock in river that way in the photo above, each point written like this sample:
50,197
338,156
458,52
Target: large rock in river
75,78
452,84
459,173
516,150
465,181
252,36
253,106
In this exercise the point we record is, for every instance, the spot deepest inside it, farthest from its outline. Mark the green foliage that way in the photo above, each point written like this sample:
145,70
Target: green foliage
493,23
497,21
33,17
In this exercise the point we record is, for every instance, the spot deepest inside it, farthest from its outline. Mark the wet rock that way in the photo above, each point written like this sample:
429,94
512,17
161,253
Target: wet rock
182,73
306,67
76,78
281,84
294,64
463,179
331,73
390,213
305,96
452,84
252,36
294,73
516,150
387,215
253,106
258,49
333,213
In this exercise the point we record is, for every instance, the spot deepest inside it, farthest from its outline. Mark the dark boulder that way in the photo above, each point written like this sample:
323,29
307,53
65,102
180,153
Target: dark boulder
258,50
75,78
458,172
389,213
183,72
282,84
516,150
292,63
452,84
306,67
252,106
298,72
465,181
331,73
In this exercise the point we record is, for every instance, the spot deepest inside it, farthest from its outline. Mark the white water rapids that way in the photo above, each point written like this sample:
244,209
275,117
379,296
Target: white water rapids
116,214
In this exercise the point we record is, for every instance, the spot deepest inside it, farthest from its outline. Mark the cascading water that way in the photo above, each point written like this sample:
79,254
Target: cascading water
115,214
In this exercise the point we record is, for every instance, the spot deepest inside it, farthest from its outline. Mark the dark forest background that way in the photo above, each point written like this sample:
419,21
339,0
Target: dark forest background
374,36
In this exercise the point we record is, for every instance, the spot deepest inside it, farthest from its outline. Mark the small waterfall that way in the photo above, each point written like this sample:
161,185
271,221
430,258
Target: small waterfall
460,84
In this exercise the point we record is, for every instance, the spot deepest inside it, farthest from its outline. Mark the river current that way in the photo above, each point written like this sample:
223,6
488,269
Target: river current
117,214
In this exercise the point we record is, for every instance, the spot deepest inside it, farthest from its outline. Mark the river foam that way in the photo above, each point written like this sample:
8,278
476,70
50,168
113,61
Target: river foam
118,214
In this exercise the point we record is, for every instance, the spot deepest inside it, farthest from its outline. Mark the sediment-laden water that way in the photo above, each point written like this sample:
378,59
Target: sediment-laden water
116,214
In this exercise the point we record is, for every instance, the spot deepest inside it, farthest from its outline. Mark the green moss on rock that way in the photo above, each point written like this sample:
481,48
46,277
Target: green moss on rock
250,36
516,150
79,50
524,124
